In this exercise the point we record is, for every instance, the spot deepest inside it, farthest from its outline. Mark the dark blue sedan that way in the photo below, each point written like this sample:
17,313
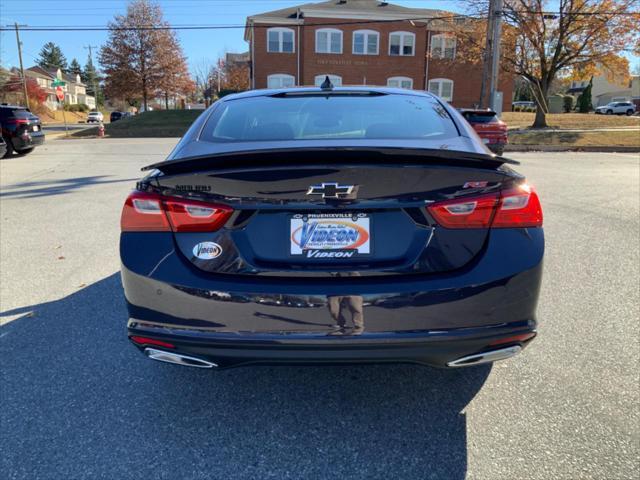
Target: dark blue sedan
331,226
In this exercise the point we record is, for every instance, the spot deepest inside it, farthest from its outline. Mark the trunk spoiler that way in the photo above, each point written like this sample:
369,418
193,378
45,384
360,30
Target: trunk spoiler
327,156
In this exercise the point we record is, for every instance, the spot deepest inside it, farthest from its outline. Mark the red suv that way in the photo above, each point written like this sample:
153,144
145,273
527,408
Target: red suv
489,127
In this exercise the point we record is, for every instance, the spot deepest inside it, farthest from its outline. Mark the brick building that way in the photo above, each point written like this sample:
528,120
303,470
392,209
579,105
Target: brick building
362,42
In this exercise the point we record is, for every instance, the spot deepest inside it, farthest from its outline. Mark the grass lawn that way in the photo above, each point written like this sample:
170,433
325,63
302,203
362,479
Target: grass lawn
578,139
57,116
159,123
570,121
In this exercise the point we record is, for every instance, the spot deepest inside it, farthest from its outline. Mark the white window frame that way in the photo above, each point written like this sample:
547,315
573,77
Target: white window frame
329,32
280,31
367,34
335,79
400,80
403,35
440,81
440,41
279,77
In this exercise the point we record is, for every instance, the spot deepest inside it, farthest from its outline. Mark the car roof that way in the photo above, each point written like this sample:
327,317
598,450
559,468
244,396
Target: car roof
362,89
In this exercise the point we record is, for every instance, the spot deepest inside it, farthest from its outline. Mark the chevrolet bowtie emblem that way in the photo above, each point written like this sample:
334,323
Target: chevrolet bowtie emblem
331,190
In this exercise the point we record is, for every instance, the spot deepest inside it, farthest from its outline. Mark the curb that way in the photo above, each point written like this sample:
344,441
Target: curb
569,148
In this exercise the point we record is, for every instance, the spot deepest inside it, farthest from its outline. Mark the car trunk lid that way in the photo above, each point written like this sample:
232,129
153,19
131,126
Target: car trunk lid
319,212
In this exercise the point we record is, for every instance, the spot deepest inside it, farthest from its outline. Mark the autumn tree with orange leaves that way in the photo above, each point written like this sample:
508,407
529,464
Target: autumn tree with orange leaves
236,77
142,58
543,39
175,79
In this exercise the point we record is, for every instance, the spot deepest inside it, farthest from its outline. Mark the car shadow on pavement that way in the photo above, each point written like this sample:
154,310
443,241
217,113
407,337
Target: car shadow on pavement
78,401
56,187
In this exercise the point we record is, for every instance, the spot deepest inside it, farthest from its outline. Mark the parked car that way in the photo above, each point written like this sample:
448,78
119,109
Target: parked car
489,127
21,129
115,116
95,116
523,104
617,108
331,225
119,116
3,145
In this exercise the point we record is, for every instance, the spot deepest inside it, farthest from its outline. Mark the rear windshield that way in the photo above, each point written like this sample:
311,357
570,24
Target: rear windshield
480,117
341,116
15,112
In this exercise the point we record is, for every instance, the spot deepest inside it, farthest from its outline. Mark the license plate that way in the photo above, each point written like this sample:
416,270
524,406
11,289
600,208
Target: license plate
36,128
336,235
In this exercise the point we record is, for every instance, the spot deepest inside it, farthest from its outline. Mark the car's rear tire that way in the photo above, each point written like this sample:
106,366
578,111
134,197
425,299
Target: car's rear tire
9,151
25,151
629,112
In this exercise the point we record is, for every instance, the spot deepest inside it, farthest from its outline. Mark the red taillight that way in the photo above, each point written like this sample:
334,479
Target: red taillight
519,207
475,212
18,121
149,212
191,216
151,341
143,212
514,208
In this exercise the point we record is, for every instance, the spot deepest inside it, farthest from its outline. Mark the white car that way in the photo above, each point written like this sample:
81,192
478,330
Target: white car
523,104
617,108
95,117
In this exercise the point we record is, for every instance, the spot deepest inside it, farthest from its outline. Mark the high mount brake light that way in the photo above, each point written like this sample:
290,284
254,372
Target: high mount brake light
150,212
514,208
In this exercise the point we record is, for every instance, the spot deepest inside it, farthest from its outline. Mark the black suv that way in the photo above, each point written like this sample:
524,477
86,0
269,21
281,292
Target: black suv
21,129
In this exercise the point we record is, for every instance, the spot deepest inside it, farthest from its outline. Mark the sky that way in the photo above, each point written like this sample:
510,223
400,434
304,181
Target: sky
198,45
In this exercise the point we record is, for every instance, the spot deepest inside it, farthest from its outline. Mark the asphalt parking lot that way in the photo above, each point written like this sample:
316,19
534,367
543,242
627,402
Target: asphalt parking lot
77,401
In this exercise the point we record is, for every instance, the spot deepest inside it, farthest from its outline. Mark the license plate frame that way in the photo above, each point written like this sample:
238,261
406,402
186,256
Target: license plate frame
330,235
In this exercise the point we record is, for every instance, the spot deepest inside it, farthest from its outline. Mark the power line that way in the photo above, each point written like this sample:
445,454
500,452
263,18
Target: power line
80,28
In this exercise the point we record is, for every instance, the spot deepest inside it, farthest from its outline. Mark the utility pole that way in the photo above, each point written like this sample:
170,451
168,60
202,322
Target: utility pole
495,53
486,60
95,74
24,78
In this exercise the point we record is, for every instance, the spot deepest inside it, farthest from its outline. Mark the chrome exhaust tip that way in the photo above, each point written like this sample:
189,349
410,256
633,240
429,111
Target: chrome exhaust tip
485,357
177,358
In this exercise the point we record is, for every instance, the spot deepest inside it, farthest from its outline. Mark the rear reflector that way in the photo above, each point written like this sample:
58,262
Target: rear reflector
514,208
150,212
151,341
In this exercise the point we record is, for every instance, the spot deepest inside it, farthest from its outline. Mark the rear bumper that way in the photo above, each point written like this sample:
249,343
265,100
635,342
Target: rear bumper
28,140
426,348
426,319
